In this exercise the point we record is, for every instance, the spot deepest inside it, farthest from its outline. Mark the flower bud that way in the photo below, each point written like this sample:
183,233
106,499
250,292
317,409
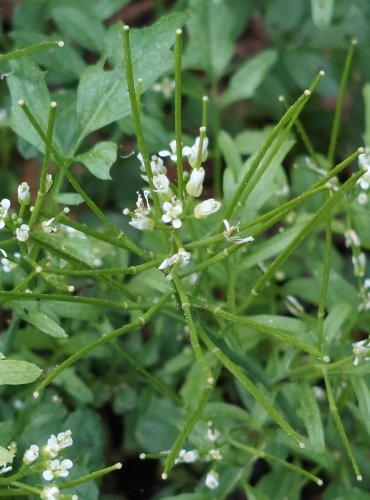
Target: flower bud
206,208
195,185
24,195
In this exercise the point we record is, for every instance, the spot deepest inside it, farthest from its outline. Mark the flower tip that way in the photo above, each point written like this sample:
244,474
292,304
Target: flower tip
125,211
118,465
66,210
60,43
179,31
38,269
164,476
354,41
36,394
203,130
142,456
326,359
281,98
71,288
319,482
53,104
302,445
359,477
307,92
21,102
205,98
361,150
322,72
126,27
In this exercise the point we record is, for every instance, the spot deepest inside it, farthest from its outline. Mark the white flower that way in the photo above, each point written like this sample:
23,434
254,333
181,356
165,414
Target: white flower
161,183
5,468
172,209
141,207
364,181
4,207
187,457
173,153
212,480
24,195
192,159
364,159
50,493
49,182
31,454
47,226
206,208
360,350
195,185
229,230
165,87
351,238
214,455
156,165
359,264
141,222
362,198
21,233
57,468
57,443
182,258
213,434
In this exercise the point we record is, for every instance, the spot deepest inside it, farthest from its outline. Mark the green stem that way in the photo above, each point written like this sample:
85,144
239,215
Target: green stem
307,229
137,323
185,304
251,388
90,477
178,127
339,106
17,54
260,327
342,433
187,427
136,116
44,168
267,456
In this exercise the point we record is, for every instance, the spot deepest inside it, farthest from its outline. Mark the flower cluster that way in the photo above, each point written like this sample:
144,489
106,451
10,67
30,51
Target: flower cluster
364,181
361,350
353,242
172,207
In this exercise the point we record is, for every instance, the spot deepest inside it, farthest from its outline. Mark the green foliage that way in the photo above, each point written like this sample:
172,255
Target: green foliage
218,328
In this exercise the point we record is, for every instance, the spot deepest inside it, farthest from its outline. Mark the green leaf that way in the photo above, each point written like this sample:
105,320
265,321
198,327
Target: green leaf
39,316
105,8
212,32
362,392
312,418
100,159
248,77
322,11
230,152
6,457
75,386
15,372
102,95
78,21
69,199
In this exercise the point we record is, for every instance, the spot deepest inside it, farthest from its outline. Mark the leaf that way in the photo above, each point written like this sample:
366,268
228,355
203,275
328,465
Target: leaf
248,77
100,159
212,33
362,392
15,372
105,8
78,21
38,316
102,95
322,11
6,456
312,418
69,199
230,152
334,321
74,385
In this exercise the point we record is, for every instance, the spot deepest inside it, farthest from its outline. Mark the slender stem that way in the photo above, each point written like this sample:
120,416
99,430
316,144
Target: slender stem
342,433
205,101
251,388
339,106
178,127
267,456
44,168
185,304
138,322
187,427
90,477
260,327
136,115
17,54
